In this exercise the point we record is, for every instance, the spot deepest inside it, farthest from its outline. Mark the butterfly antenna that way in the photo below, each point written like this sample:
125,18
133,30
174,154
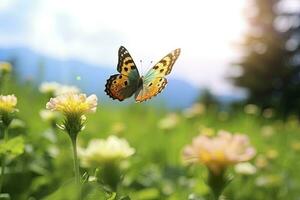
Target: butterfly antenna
141,65
151,62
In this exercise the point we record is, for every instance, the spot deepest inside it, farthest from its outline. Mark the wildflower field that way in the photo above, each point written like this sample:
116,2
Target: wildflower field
142,152
150,100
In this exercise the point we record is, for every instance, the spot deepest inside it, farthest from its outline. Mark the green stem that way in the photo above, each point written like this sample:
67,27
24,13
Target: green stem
111,176
1,83
2,173
75,157
3,79
3,161
76,165
217,183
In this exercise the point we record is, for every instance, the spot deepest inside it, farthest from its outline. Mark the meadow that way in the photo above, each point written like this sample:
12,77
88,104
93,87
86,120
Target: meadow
156,171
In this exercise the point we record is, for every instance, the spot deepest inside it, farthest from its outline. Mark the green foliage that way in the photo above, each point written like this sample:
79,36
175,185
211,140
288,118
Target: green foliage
4,196
156,171
208,99
109,175
13,147
269,70
70,190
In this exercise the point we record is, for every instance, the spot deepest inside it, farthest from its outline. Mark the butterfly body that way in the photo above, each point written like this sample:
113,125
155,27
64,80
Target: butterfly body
129,82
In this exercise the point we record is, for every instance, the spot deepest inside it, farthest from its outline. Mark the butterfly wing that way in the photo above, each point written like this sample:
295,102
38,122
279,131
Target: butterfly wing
123,85
126,65
150,89
154,81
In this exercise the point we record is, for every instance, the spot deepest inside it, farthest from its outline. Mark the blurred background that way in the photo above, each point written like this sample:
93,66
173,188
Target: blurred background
239,70
80,41
237,50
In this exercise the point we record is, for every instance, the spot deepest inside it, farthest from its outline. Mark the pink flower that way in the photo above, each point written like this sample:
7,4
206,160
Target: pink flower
220,151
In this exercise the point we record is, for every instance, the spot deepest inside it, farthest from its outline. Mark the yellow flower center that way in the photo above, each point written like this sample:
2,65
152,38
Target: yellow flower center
8,103
73,104
5,67
219,152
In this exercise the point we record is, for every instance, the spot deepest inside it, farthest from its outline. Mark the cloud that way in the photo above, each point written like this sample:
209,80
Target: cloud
7,4
92,30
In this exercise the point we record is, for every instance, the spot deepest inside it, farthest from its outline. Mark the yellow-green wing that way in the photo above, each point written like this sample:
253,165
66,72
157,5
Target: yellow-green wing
150,89
154,81
164,66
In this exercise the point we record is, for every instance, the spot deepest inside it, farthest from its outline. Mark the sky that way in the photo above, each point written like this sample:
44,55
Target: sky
93,30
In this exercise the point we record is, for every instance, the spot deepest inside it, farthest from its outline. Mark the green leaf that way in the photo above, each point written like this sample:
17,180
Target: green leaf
113,196
125,198
4,196
14,146
149,193
68,190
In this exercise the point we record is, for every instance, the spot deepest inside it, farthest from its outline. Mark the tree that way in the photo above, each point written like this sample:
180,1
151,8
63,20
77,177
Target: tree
270,64
208,99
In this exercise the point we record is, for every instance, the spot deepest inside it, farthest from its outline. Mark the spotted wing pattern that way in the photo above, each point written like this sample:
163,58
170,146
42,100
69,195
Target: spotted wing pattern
126,64
123,85
150,89
164,66
120,87
154,81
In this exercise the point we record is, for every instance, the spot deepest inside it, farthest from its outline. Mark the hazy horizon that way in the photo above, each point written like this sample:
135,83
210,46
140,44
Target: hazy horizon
90,32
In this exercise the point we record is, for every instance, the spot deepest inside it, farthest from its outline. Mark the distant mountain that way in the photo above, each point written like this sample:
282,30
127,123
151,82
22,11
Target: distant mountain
91,78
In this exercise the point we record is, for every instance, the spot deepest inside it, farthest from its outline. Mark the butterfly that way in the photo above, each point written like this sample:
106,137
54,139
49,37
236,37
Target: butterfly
129,82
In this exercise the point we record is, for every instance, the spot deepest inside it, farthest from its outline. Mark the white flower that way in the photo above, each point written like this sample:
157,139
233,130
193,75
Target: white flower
100,151
48,115
64,89
73,104
57,89
73,107
251,109
269,181
194,110
169,122
8,103
245,168
49,87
